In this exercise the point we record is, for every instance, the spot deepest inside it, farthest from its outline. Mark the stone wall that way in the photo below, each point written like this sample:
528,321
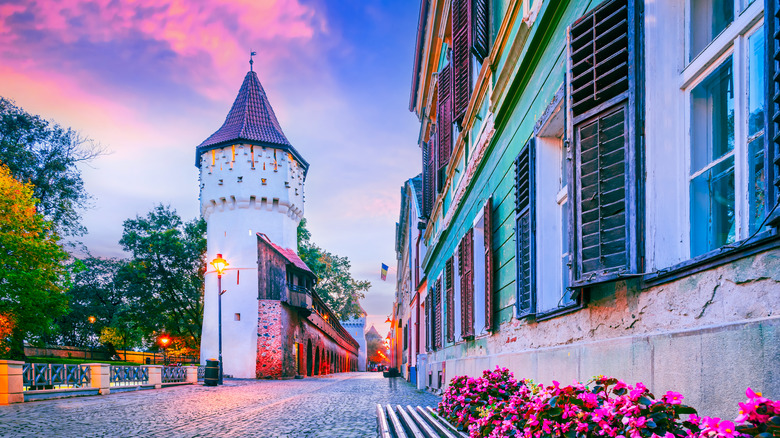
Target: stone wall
708,336
270,343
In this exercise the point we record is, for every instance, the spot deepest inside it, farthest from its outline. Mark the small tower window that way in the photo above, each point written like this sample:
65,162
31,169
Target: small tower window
240,179
263,180
220,182
287,184
237,317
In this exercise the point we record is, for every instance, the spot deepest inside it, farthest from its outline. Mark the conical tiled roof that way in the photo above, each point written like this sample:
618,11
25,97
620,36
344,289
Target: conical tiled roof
251,120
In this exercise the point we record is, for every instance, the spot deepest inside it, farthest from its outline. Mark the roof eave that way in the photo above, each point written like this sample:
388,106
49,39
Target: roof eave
288,147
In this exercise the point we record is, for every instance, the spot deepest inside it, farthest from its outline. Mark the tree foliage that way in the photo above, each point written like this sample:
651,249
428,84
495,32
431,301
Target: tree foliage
47,156
32,276
164,277
336,287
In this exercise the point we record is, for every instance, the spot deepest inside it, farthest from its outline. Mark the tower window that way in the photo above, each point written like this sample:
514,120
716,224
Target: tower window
220,182
237,317
263,180
240,178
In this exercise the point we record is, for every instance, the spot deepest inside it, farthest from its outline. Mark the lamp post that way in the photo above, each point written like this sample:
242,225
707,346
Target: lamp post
219,264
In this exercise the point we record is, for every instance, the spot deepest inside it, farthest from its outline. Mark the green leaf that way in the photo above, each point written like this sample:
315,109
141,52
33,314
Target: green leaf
682,409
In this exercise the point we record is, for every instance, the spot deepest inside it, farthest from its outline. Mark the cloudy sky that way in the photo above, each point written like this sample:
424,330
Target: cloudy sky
151,79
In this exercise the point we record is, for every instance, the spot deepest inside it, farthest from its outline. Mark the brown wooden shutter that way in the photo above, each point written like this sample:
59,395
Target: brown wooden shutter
488,230
444,122
466,265
437,342
524,210
604,192
772,151
461,62
450,292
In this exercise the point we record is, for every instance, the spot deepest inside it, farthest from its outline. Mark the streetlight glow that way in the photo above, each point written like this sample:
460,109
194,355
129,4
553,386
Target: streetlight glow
220,264
91,319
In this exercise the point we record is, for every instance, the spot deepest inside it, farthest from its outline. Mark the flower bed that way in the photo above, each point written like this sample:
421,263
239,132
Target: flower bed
497,405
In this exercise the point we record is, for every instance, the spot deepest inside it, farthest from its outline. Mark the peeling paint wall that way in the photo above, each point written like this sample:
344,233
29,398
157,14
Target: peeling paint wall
708,336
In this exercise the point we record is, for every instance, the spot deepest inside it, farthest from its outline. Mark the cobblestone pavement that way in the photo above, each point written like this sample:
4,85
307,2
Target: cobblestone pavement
340,405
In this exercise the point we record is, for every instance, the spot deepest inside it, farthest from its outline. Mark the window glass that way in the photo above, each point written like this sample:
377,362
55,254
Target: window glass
712,117
712,208
708,19
712,161
755,150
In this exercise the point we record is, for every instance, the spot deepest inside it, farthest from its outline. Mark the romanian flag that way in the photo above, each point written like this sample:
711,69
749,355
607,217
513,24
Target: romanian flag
383,272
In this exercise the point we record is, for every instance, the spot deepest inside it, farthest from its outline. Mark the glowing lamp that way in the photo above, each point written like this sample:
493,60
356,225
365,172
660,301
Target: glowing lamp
164,341
220,264
91,319
387,321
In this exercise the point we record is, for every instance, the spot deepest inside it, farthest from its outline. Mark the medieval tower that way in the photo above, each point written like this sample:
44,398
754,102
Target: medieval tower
251,181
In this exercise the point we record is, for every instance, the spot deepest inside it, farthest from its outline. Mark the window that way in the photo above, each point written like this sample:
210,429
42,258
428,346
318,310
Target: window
466,270
604,189
450,291
727,172
469,48
237,317
524,230
478,274
708,19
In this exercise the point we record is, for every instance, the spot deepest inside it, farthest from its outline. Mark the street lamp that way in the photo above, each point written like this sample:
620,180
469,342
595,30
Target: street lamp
164,341
91,319
220,265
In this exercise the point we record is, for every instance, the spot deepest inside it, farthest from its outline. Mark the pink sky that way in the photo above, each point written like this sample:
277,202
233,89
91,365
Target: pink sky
151,79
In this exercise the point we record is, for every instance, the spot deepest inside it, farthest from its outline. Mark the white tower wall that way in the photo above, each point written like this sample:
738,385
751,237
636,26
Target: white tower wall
244,190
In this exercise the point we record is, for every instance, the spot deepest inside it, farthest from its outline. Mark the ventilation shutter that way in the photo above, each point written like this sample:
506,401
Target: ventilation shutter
437,317
461,65
772,152
524,207
488,215
450,291
429,173
444,122
599,56
466,269
480,27
602,194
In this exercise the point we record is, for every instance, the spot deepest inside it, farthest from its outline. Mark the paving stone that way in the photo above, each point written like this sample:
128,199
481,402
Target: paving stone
338,405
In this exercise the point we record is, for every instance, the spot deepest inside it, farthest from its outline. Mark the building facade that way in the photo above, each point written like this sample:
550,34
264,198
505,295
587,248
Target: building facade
251,196
600,192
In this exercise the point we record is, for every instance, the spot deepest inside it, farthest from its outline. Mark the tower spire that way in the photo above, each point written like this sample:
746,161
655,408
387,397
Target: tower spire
251,61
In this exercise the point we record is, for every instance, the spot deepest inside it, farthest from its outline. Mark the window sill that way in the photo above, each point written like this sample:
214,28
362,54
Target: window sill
761,242
550,314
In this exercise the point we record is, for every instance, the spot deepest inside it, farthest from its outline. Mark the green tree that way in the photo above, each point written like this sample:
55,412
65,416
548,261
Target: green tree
47,156
32,277
164,277
336,287
99,303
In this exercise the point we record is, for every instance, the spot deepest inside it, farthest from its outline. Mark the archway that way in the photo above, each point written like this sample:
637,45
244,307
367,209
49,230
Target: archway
317,362
308,358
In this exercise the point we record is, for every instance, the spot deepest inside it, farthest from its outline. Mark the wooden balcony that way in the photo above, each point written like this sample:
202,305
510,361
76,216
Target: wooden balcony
300,297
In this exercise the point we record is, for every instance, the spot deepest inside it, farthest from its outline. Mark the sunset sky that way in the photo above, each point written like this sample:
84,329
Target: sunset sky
151,79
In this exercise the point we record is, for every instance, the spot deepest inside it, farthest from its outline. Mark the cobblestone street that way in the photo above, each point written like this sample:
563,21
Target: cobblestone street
341,405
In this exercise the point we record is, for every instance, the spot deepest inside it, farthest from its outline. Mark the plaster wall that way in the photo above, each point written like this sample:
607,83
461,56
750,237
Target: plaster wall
357,329
237,204
708,336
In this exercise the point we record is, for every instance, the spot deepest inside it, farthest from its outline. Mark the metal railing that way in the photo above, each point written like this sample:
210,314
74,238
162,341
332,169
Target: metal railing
174,374
54,376
201,372
126,375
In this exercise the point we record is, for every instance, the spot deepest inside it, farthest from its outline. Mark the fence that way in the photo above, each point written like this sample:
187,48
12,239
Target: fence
129,375
37,376
173,374
20,382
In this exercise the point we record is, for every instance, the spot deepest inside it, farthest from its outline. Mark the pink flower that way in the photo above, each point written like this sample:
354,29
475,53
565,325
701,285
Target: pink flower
726,429
674,398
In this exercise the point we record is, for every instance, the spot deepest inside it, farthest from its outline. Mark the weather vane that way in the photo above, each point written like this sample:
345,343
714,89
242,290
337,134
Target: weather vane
251,54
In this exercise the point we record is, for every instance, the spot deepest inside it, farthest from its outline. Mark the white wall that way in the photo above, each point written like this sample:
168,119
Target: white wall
235,211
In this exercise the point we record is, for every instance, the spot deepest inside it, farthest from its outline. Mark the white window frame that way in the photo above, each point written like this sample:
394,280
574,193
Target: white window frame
731,42
479,275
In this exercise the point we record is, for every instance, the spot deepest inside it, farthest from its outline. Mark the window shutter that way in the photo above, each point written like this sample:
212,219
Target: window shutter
604,192
461,64
525,218
466,265
488,264
599,56
429,173
480,27
450,291
428,322
772,152
437,317
444,123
